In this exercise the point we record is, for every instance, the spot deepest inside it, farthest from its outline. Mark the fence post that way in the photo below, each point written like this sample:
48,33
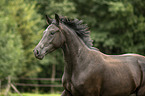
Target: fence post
8,86
15,89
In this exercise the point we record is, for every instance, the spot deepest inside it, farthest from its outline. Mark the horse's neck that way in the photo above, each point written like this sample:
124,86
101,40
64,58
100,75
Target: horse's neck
72,49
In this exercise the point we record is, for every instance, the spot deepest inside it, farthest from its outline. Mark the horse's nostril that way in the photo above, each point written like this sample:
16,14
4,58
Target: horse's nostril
37,52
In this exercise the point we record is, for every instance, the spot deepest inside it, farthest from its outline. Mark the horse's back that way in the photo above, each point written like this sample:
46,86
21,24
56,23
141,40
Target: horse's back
141,62
123,72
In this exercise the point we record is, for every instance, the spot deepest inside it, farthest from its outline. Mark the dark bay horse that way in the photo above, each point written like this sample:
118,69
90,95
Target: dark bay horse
87,71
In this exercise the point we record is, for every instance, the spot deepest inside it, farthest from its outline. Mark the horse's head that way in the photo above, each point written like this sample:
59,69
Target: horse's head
51,40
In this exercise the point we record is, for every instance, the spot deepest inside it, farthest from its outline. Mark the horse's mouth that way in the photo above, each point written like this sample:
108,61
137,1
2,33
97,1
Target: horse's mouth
39,57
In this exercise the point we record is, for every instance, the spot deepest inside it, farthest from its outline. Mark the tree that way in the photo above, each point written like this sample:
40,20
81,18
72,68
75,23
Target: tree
11,52
29,26
61,7
117,26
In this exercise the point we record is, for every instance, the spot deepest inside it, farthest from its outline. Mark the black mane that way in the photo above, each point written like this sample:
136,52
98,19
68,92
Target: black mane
80,29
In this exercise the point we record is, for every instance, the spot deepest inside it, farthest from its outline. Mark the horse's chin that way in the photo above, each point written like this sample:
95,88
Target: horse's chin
40,57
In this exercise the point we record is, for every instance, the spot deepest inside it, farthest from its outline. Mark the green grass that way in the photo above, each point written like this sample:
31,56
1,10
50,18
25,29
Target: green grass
34,94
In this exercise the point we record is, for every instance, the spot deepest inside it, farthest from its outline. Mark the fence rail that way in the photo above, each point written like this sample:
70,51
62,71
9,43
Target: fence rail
36,85
38,79
13,84
47,79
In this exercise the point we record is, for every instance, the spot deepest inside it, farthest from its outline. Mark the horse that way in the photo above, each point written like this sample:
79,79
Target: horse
87,71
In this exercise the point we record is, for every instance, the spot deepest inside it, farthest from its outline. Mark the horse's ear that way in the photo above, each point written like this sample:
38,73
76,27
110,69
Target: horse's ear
57,19
49,21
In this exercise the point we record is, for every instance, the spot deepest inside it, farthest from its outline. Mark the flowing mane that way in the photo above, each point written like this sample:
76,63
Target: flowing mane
80,29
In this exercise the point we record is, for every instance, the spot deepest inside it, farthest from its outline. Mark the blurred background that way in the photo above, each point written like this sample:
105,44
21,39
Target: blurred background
117,27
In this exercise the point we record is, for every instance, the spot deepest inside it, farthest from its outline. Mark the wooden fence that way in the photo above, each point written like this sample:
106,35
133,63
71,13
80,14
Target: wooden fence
12,84
39,85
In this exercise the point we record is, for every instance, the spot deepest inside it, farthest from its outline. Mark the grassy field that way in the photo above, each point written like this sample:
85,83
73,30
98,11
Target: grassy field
30,94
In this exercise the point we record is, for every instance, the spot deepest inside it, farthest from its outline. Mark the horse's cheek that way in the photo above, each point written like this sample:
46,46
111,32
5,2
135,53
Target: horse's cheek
56,42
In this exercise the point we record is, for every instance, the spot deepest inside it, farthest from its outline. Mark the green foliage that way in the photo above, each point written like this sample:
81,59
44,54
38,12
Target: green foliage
11,53
66,8
21,24
61,7
117,26
29,25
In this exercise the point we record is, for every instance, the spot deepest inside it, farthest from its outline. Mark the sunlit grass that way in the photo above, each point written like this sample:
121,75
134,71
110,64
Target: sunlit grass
30,94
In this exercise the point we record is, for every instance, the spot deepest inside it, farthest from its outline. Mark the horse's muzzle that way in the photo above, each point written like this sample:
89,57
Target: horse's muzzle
37,54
